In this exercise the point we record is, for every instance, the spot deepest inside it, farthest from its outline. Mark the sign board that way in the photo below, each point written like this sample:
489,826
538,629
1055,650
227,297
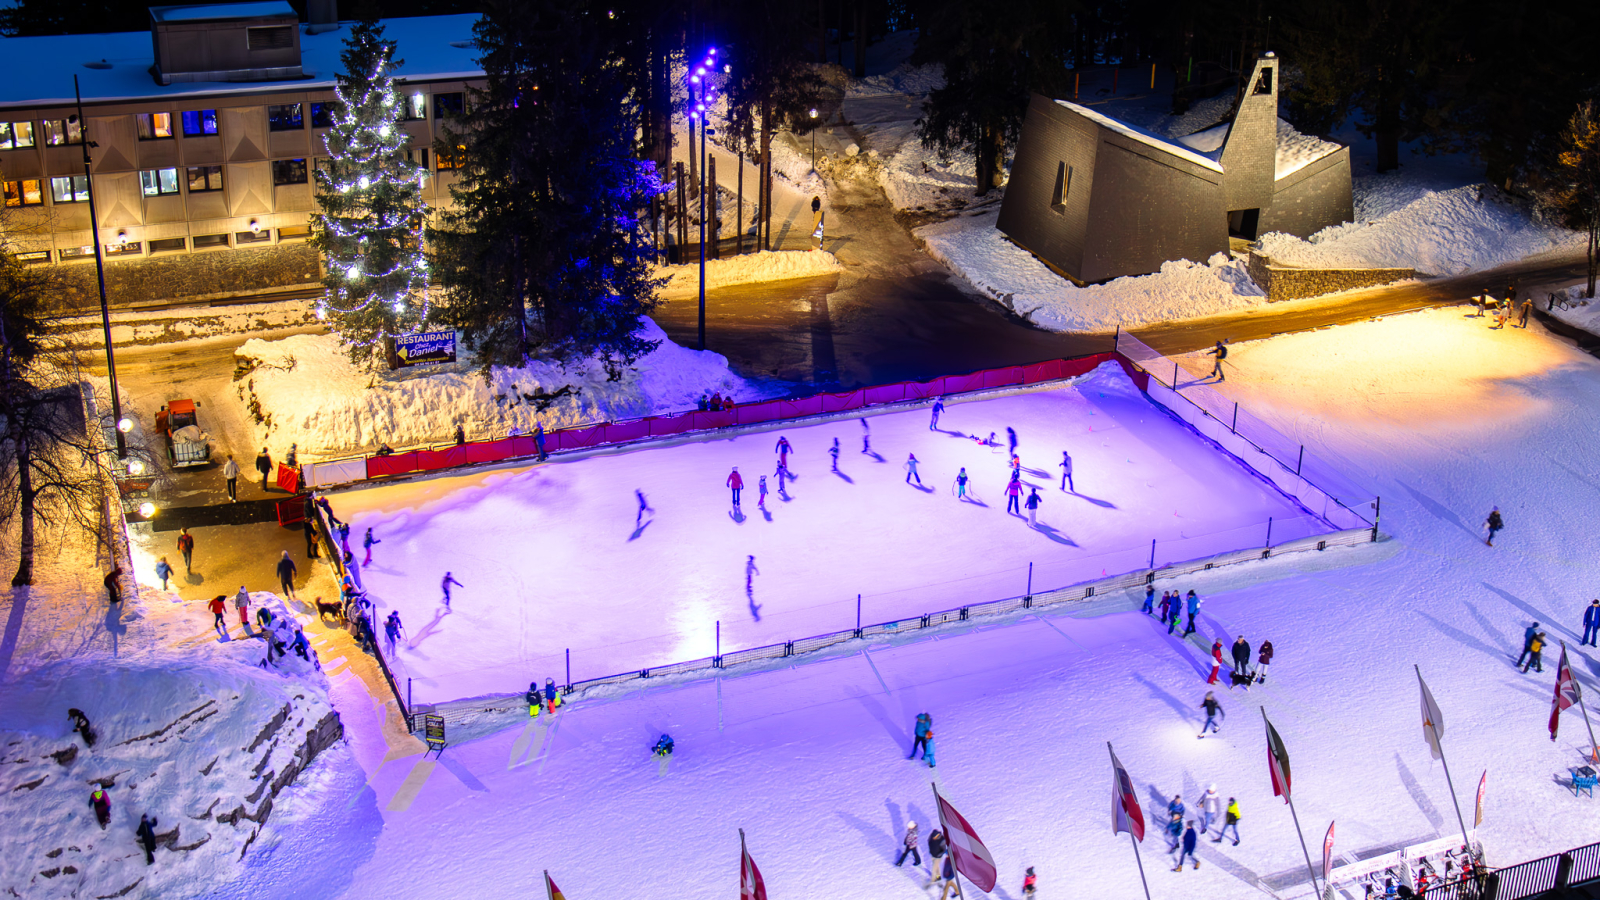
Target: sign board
423,349
433,731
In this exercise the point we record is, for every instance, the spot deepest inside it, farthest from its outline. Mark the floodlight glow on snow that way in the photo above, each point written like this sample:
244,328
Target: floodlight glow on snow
124,424
147,509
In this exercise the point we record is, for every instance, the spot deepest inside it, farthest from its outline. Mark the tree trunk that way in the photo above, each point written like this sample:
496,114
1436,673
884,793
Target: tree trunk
25,511
766,173
660,111
861,38
1594,252
988,162
1386,124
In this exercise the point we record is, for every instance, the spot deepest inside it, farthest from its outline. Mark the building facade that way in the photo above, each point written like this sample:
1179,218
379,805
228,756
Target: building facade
206,132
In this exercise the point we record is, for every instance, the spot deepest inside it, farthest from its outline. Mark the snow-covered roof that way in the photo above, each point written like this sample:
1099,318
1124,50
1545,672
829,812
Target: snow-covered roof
37,71
222,11
1295,150
1144,137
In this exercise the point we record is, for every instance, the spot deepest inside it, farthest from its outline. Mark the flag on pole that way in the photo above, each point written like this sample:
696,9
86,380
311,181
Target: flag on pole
1278,760
1566,692
550,889
1432,720
1327,853
751,887
1477,817
972,857
1125,812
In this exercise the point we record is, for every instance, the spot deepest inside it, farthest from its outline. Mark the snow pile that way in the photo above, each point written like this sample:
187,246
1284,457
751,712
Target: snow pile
1574,307
1437,233
190,731
793,166
1295,150
919,177
163,326
904,79
1012,276
750,268
304,390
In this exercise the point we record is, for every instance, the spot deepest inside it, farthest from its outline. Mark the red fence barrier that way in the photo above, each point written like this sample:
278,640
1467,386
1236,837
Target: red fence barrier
753,414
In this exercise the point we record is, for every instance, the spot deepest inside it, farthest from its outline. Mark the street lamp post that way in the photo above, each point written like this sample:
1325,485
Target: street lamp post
700,80
813,138
100,270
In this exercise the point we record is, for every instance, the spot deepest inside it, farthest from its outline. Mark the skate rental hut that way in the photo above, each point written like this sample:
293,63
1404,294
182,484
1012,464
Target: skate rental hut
1096,198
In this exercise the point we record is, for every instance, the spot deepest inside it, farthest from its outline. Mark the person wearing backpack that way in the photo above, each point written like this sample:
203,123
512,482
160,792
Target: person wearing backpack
1220,351
1494,523
1232,821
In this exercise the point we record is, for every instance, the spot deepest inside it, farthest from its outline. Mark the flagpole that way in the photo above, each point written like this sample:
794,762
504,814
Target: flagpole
950,845
1594,752
1131,839
547,893
1449,782
1316,886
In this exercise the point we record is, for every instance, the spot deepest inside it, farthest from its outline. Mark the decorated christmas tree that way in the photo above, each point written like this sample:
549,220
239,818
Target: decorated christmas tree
370,195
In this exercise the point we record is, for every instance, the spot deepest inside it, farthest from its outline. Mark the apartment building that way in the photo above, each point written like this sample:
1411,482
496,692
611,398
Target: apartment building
207,130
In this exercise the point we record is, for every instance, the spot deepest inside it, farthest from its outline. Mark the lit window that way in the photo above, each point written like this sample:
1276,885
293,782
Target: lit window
156,182
454,160
69,189
205,178
322,115
449,105
16,134
416,107
197,122
288,171
24,193
154,126
59,132
285,118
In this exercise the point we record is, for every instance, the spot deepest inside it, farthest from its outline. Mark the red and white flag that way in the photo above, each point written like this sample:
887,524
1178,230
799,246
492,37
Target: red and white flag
1125,812
550,889
751,887
1327,852
971,856
1566,692
1277,762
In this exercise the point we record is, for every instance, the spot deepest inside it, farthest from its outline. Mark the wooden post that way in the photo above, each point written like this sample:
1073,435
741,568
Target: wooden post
738,245
714,207
1076,77
1152,76
683,219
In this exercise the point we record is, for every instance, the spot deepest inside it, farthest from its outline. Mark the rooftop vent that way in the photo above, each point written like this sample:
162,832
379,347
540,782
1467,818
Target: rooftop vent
252,41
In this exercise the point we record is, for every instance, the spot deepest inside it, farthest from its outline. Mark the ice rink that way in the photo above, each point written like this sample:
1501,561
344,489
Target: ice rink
555,556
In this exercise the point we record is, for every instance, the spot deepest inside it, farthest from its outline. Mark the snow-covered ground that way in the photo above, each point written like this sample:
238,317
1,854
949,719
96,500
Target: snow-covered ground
191,323
1580,310
309,393
751,268
551,559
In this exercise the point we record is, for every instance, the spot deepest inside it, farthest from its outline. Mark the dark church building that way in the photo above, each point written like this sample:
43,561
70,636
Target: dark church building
1097,198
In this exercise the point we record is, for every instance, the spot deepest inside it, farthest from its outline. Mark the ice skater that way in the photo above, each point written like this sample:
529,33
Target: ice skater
783,450
920,734
644,506
938,407
1591,620
1011,440
444,585
538,441
1220,351
961,488
1014,495
366,544
1214,714
736,484
1032,504
834,452
1189,840
1066,472
1493,524
1216,661
392,629
911,469
761,493
750,573
1241,660
241,602
866,436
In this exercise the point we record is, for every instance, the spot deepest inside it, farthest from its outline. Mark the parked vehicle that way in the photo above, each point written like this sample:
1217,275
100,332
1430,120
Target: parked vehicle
187,445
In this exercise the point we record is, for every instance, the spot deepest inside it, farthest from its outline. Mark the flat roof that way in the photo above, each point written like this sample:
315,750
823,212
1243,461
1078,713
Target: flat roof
1144,137
222,11
37,71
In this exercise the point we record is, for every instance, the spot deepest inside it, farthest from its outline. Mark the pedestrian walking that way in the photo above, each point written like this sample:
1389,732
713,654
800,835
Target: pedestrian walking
761,492
1263,659
736,483
834,452
113,583
1210,809
366,544
948,873
1194,609
1591,621
1216,661
311,538
1493,524
1527,641
1149,599
391,629
1014,496
163,571
1535,648
1177,613
444,585
1165,606
461,435
1030,883
920,734
909,847
1066,472
961,484
1523,311
644,506
1241,658
186,547
241,602
286,573
1174,831
1032,504
264,466
938,407
1189,841
1011,441
1220,351
1016,466
1231,821
866,436
230,471
1176,808
750,572
218,606
937,847
538,441
783,449
911,469
101,804
1214,714
927,749
146,833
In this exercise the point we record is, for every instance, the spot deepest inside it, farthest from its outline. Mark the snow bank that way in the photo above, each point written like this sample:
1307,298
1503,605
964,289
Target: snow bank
1435,232
304,390
750,268
972,247
1580,311
919,177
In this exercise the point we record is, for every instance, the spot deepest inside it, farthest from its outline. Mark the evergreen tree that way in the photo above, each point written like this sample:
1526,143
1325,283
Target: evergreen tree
543,253
371,204
1570,188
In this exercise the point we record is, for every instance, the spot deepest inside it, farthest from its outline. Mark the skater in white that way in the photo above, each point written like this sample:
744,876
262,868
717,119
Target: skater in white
1066,472
911,469
1032,503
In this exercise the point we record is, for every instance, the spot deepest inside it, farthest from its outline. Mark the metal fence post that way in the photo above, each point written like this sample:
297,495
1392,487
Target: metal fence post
1301,461
1152,553
569,670
858,615
409,706
1269,532
1029,595
1174,374
1235,426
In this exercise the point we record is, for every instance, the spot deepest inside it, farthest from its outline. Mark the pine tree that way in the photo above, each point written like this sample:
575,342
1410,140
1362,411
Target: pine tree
1570,189
370,225
543,253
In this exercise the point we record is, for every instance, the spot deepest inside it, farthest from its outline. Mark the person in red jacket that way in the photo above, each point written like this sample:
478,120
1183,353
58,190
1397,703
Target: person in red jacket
102,807
219,605
1216,661
736,483
186,547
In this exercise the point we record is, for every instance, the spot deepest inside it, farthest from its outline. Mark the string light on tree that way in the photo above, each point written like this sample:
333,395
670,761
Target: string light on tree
369,228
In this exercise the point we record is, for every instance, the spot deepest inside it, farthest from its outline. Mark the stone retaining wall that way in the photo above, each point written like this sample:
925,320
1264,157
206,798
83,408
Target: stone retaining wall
207,275
1289,283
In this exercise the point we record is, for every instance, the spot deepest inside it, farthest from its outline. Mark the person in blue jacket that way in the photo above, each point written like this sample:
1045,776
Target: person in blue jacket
1194,608
927,754
1189,839
1527,642
1591,623
164,571
924,725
